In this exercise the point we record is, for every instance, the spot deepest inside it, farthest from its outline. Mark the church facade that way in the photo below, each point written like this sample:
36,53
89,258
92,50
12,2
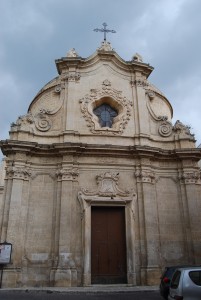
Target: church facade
100,186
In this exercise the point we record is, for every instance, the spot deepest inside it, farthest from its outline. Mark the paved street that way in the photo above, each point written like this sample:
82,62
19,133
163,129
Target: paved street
52,295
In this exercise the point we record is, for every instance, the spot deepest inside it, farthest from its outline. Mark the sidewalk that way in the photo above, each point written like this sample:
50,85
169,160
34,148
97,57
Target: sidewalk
91,289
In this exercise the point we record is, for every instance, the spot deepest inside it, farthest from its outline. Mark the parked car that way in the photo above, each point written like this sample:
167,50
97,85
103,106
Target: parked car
186,284
165,281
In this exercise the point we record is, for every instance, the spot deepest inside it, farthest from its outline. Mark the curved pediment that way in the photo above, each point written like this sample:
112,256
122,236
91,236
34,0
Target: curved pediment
104,53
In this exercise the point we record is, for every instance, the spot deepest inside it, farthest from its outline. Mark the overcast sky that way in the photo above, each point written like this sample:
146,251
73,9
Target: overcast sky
167,33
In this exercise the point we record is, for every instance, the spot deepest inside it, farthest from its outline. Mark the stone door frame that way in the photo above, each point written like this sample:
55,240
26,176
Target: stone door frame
110,198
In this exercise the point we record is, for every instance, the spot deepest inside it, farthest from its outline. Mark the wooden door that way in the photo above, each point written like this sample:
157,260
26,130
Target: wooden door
108,245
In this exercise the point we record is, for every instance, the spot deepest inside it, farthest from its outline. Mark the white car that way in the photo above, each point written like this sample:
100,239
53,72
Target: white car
186,284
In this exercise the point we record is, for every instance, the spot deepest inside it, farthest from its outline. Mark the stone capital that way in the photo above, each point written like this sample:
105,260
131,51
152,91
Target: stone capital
70,174
18,173
145,176
193,177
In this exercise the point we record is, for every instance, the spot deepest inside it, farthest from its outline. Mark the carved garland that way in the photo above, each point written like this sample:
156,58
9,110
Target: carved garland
122,104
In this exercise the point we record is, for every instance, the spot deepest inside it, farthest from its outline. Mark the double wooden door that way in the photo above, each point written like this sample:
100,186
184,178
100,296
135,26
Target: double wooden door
108,245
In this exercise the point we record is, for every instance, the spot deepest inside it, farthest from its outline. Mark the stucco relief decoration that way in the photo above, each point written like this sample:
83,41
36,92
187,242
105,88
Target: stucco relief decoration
190,177
105,46
29,122
18,173
73,76
58,88
180,128
140,82
25,123
39,117
145,176
165,128
72,53
67,174
119,102
42,121
107,187
137,57
150,94
50,101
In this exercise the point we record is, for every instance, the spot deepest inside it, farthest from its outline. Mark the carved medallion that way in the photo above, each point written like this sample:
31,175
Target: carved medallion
107,186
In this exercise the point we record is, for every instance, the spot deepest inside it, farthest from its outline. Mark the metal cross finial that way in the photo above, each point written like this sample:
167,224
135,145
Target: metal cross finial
104,30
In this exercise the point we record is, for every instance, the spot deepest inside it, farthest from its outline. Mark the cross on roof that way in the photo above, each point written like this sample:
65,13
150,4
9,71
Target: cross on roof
104,30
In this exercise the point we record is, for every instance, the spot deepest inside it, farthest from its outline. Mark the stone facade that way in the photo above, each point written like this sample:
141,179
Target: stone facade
60,163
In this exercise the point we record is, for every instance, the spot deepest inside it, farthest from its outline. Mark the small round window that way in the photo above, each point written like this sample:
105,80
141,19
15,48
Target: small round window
106,114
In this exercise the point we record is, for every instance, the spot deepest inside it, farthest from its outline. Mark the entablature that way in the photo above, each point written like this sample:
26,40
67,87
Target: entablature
81,149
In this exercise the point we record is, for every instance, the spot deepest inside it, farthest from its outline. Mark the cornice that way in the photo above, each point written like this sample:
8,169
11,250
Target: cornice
66,62
110,56
59,149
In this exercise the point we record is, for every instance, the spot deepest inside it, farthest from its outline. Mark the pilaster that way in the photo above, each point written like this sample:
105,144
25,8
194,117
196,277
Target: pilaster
150,245
19,175
142,112
190,182
71,79
66,273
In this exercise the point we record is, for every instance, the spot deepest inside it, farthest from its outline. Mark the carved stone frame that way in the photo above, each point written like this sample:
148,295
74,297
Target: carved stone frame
109,96
108,194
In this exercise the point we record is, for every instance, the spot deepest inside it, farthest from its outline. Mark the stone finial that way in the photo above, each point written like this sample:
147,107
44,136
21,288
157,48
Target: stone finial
137,57
72,53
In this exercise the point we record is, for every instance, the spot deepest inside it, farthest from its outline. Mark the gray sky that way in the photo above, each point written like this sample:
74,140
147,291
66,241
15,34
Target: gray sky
167,33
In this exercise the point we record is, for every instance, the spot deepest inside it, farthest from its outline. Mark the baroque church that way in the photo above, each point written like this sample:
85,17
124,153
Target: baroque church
100,186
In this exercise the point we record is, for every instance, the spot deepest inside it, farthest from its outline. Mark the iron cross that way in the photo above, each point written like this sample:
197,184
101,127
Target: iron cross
104,30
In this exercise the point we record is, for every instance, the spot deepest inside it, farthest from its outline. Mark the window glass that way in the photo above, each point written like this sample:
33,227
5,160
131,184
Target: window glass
169,272
195,276
175,280
105,113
